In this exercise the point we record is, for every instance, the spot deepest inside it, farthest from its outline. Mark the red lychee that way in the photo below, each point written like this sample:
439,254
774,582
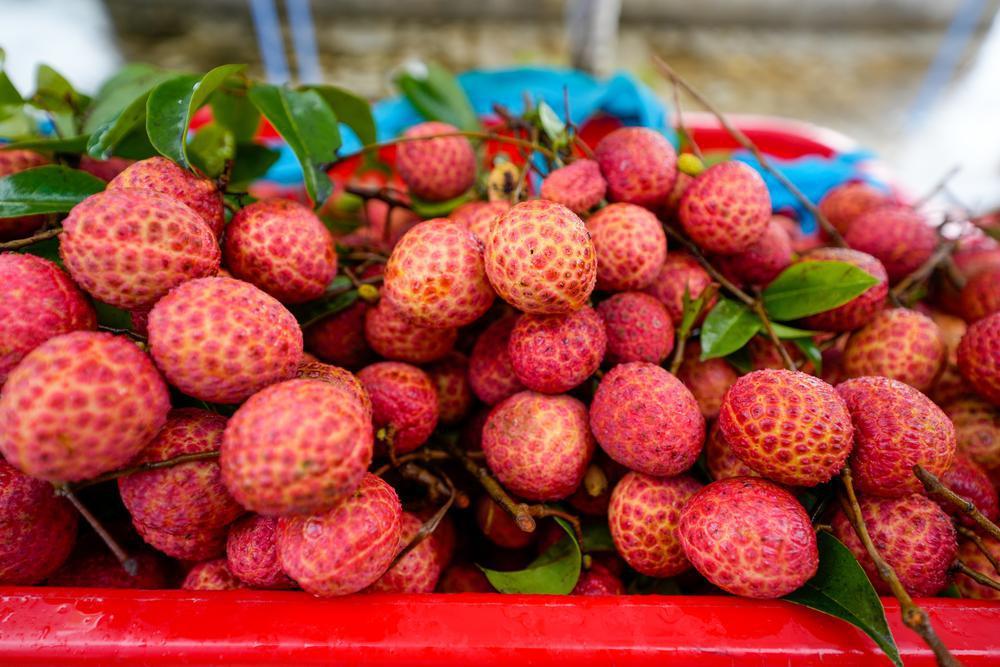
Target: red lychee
897,343
862,308
638,328
680,272
969,480
639,165
598,580
578,186
727,208
464,578
970,554
211,575
491,371
631,247
252,553
895,235
417,571
554,353
977,427
191,544
339,339
451,381
720,460
404,403
316,370
436,169
707,380
392,336
760,263
845,202
96,567
979,357
981,295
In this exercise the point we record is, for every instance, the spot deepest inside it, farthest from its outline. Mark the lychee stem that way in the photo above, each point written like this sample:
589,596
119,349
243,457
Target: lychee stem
519,511
143,467
936,489
31,240
758,307
130,565
428,528
973,537
978,577
914,617
922,272
746,143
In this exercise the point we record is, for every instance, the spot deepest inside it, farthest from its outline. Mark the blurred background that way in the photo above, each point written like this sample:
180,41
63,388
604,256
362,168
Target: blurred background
918,82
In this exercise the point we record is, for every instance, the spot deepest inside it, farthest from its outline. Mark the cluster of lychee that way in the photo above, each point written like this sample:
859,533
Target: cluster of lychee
559,387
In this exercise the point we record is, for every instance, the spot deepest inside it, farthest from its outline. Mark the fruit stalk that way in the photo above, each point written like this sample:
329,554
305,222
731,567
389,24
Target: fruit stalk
35,238
745,141
130,565
429,526
976,576
923,271
519,511
758,308
937,489
914,617
154,465
973,537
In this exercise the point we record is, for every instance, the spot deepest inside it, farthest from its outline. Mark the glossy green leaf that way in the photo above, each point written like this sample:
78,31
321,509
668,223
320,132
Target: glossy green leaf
252,161
309,128
434,92
8,93
555,572
53,93
812,352
786,332
842,589
236,113
727,328
172,104
807,288
76,144
352,110
120,91
48,189
438,209
108,136
210,148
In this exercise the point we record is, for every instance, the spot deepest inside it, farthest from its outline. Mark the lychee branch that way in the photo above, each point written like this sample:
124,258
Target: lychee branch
936,489
744,141
973,537
144,467
31,240
979,578
914,617
128,564
519,511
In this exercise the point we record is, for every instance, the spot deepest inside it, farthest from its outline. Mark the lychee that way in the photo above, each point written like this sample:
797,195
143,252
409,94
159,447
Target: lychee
451,381
491,370
79,405
552,354
498,526
895,428
680,273
727,208
789,426
404,403
644,516
969,480
862,308
981,295
296,447
639,165
763,260
436,169
721,461
221,340
348,547
211,575
339,339
11,162
252,553
914,536
897,343
316,370
979,357
435,276
598,580
630,245
970,554
977,427
193,543
540,259
128,248
392,336
578,186
538,445
646,420
845,202
707,380
749,537
638,328
895,235
38,302
417,571
479,216
283,248
37,528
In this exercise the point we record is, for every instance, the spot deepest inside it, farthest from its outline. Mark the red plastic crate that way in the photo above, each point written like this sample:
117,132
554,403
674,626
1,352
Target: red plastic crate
43,626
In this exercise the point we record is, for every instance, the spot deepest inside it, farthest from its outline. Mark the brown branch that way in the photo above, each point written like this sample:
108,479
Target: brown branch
130,565
937,489
758,307
746,143
421,455
973,537
144,467
543,511
914,617
923,272
979,578
428,528
122,332
31,240
519,511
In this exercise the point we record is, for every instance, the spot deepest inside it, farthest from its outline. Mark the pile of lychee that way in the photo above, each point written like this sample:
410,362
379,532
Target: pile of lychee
532,333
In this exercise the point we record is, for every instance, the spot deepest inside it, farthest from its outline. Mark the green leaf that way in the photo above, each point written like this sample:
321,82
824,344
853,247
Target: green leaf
434,92
171,105
135,145
812,352
842,589
53,93
252,161
235,113
210,148
121,90
807,288
48,189
351,110
107,137
597,537
740,360
727,328
77,144
786,332
692,309
553,126
555,572
438,209
309,128
8,93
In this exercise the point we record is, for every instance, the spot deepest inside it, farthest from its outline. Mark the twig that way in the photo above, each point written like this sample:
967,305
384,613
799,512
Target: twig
519,511
144,467
923,272
31,240
936,488
979,578
680,121
429,526
973,537
424,455
758,307
939,186
914,617
746,143
543,511
484,136
388,195
130,565
435,486
122,332
695,252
